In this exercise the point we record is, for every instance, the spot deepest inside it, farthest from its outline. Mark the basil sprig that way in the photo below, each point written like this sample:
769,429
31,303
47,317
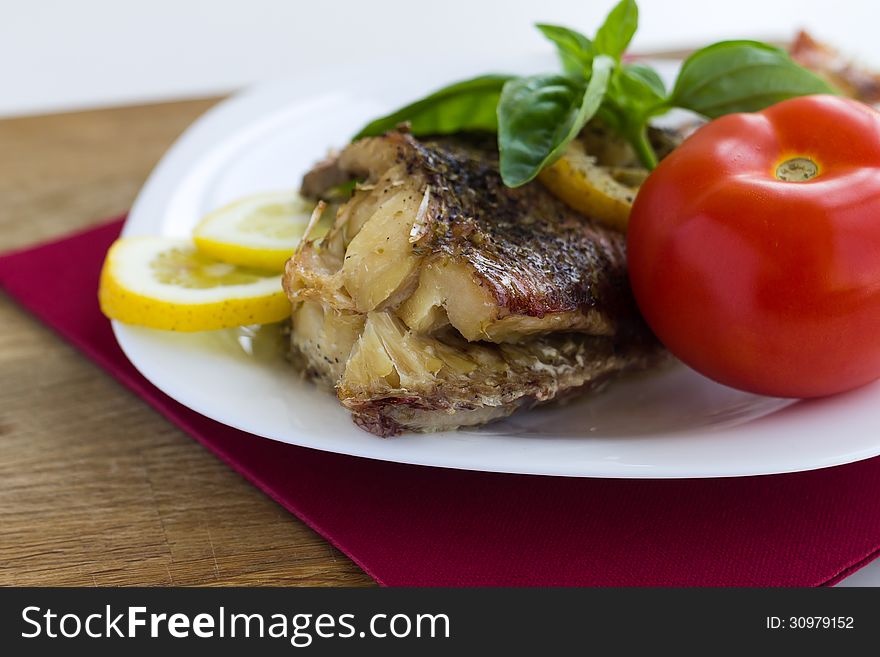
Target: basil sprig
537,116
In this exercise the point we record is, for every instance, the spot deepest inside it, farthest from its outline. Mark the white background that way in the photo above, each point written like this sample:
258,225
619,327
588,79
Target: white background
58,55
63,54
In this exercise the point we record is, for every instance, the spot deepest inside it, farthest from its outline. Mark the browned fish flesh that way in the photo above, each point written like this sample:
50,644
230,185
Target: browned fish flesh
442,298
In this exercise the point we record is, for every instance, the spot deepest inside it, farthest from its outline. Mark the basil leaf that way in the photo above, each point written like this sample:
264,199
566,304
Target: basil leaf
618,29
467,105
636,91
741,76
574,49
539,115
643,81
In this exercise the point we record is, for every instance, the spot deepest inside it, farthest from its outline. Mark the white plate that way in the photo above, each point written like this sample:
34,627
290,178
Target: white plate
672,423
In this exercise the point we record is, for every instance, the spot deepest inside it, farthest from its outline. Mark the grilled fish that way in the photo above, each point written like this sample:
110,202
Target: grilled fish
442,298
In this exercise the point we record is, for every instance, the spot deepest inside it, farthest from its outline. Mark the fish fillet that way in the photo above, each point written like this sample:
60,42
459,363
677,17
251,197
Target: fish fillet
442,298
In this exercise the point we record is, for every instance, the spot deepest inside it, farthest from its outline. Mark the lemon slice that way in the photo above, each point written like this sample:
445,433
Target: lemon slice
603,193
167,284
259,231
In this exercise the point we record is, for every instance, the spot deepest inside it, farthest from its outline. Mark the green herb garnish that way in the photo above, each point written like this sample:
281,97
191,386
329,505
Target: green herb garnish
537,116
467,105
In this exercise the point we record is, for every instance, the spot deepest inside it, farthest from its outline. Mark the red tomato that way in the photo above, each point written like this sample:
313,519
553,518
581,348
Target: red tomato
754,248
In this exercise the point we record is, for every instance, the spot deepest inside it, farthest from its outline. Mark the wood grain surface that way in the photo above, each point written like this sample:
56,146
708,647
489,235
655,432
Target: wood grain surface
95,487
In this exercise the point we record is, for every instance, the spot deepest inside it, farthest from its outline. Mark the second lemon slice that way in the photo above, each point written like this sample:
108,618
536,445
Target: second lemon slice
259,231
589,188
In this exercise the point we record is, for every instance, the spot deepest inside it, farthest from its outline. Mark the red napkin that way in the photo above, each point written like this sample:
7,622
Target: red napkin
411,525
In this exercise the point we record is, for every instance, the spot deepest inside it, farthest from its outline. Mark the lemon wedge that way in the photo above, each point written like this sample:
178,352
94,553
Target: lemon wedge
260,231
167,284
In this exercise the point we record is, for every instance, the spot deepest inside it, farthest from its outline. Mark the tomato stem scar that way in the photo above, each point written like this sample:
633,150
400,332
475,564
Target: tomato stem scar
797,169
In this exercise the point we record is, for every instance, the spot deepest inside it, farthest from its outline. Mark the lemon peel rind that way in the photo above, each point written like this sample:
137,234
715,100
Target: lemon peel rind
132,308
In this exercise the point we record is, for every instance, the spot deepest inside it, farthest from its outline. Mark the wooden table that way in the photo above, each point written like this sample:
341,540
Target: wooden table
95,487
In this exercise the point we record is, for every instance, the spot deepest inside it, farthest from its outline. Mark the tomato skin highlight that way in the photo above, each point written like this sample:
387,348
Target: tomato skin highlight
763,284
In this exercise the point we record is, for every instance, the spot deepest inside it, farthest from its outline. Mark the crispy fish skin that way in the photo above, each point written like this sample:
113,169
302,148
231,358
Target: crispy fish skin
442,298
536,256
